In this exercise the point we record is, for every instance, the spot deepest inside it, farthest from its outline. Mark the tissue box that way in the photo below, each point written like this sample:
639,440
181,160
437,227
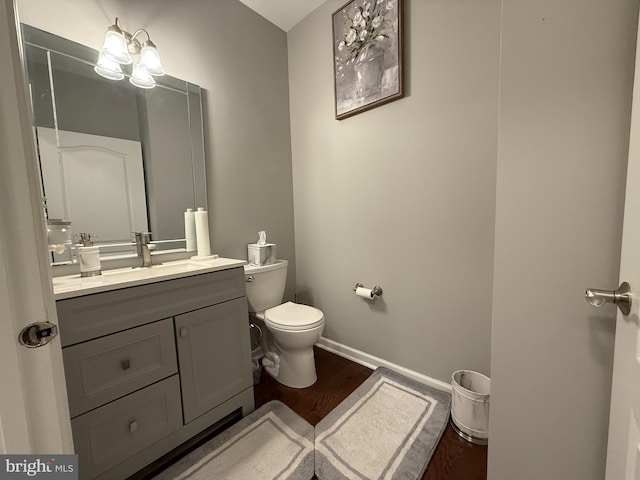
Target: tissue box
260,255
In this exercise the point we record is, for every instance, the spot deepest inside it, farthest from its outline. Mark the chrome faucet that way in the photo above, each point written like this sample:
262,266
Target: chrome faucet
142,247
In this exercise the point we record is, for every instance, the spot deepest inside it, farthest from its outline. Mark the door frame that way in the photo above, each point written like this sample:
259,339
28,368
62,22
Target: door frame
34,413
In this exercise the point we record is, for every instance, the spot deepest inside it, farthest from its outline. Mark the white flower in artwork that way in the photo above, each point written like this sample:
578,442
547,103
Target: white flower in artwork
351,36
366,23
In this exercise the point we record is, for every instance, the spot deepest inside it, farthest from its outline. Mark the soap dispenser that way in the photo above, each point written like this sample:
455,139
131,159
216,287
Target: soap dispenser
89,256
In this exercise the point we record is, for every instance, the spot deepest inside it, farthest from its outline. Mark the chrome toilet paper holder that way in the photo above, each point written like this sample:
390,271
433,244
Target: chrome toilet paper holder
375,291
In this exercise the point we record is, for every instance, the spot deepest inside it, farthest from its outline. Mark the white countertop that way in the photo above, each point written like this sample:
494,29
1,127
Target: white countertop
71,286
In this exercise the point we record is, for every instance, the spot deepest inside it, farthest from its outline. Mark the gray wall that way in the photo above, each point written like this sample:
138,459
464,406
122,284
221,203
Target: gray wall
566,76
240,60
402,196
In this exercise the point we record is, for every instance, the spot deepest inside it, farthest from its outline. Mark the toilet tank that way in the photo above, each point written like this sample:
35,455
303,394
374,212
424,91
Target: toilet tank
265,285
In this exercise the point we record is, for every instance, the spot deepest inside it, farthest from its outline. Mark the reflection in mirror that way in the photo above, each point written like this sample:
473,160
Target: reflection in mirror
114,158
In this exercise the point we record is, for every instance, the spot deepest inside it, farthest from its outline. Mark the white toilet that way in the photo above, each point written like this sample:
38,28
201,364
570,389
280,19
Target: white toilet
292,329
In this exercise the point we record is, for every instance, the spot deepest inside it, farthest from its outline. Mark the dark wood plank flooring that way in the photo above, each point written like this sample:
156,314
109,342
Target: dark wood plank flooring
454,458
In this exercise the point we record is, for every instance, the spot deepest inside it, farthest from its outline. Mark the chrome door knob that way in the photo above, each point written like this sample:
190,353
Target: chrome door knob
620,297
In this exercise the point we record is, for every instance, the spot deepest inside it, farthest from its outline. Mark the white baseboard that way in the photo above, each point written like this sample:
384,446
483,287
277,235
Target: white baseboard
373,362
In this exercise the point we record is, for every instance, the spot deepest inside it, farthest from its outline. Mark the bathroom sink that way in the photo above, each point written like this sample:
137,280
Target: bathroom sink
139,273
75,285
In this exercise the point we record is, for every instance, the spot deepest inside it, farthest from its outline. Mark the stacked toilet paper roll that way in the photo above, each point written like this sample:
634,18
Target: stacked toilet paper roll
202,236
190,230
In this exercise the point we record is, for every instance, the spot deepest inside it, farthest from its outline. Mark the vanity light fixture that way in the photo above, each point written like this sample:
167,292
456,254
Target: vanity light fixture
119,46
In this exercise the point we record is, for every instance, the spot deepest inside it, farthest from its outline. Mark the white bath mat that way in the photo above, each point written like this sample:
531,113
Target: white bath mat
388,428
271,443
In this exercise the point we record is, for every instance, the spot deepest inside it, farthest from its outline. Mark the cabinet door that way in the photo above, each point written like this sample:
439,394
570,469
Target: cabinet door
214,355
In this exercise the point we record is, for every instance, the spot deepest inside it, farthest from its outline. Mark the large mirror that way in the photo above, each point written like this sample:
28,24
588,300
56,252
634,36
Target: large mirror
114,158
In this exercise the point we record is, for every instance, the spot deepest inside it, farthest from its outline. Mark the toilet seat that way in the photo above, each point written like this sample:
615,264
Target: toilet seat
293,317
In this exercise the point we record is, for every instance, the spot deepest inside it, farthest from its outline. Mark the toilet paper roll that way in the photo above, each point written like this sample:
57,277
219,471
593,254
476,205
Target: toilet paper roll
190,230
364,293
202,233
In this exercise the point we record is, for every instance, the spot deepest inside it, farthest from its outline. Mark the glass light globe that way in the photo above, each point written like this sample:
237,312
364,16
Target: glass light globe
115,47
150,59
141,78
108,68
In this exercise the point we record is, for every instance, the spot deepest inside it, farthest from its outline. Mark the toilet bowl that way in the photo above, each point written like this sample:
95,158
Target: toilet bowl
291,329
295,329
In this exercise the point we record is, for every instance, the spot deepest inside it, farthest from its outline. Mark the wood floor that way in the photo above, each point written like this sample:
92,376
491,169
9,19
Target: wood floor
454,458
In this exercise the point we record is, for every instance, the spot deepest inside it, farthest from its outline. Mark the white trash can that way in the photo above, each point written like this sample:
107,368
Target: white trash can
470,405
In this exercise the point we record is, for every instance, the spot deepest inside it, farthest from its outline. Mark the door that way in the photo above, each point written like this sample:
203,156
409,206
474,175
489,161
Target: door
95,182
623,451
34,416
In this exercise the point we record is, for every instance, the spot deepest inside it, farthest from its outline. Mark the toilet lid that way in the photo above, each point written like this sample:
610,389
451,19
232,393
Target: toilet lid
292,316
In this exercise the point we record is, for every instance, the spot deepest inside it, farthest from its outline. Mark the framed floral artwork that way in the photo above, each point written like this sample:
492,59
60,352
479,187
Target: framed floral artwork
367,51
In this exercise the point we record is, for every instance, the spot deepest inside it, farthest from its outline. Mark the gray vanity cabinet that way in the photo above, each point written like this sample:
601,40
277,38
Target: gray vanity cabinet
149,367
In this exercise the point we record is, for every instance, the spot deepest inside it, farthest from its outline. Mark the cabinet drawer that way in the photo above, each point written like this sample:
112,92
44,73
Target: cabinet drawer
110,367
119,430
90,316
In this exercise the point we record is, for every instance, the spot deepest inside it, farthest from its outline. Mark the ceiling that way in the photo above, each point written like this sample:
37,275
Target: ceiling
284,13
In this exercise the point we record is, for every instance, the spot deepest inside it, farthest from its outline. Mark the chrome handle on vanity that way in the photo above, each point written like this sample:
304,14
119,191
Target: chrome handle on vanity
249,278
620,297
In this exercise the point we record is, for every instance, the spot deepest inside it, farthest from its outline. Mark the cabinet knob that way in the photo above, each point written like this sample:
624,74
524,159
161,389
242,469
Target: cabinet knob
183,332
126,364
133,426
